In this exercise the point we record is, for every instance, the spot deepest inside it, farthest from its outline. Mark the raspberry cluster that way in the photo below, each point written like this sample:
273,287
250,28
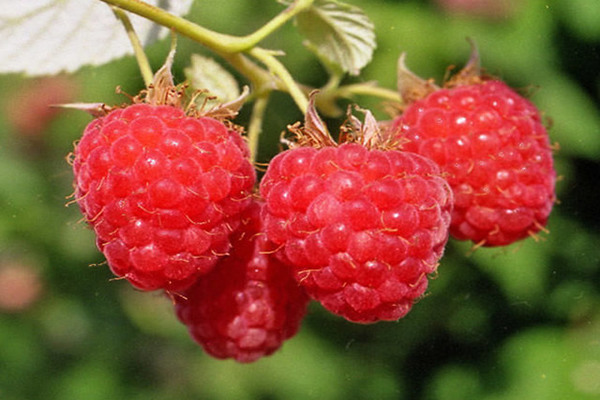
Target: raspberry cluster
358,224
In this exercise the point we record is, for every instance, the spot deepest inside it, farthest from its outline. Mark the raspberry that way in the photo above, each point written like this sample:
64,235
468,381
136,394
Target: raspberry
249,304
163,191
494,151
362,227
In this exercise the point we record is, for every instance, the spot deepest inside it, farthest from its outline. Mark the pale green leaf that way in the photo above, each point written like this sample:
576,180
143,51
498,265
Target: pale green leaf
41,37
205,73
340,34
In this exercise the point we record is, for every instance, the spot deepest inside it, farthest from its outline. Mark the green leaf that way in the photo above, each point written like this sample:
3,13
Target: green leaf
581,16
206,74
547,363
340,34
574,116
520,270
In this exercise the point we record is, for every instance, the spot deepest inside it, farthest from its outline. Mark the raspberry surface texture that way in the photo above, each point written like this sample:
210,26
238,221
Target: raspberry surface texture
249,304
163,192
495,153
362,228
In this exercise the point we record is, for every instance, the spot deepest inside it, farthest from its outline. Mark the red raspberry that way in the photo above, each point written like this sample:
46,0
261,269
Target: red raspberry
362,227
494,151
249,304
163,191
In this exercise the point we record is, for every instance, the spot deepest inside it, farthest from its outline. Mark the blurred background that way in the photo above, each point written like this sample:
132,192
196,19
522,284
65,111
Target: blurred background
521,322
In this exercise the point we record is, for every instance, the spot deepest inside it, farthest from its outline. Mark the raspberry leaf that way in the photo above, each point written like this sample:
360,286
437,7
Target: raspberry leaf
340,34
49,36
205,73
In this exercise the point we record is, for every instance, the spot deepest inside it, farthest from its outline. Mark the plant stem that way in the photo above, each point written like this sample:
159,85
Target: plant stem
261,79
267,57
368,89
138,49
218,42
332,84
251,40
213,40
256,123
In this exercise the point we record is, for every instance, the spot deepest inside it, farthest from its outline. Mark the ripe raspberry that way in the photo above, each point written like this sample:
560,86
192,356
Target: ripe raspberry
163,191
495,152
362,227
249,304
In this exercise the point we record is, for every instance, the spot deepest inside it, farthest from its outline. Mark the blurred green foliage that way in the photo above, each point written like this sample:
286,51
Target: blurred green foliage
522,322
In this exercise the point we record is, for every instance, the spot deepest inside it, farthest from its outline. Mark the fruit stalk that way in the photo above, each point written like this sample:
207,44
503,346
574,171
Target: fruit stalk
267,57
256,122
370,89
251,40
138,48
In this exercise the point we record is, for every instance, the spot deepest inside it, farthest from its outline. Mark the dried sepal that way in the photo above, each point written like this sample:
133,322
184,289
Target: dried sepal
368,133
227,110
94,109
410,86
162,90
471,73
314,132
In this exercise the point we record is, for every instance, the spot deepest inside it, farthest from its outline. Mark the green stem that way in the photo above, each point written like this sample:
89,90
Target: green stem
368,89
256,122
267,57
250,41
333,83
261,79
218,42
138,49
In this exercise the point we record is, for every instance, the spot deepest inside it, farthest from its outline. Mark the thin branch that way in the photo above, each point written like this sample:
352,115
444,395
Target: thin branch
256,123
250,41
267,57
138,49
368,89
218,42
